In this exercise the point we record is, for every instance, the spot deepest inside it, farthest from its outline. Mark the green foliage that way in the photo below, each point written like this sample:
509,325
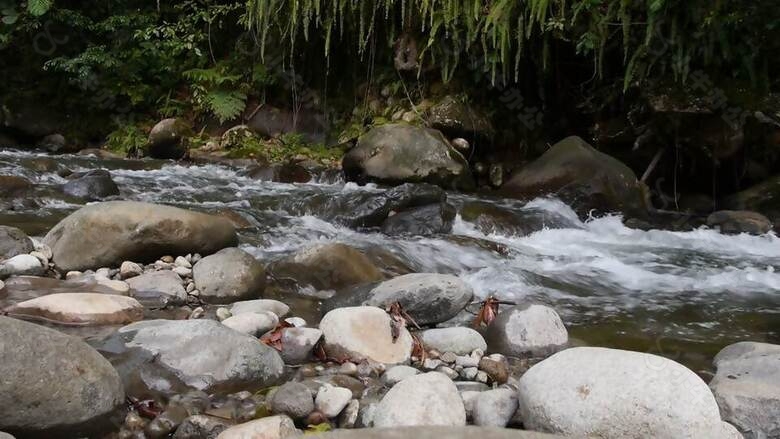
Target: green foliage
39,7
284,148
127,140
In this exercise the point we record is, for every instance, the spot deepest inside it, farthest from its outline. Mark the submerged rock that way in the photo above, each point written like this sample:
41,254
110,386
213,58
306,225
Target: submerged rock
91,185
421,221
107,234
201,427
81,309
372,209
734,222
396,154
14,242
528,330
53,385
364,333
328,267
229,275
426,399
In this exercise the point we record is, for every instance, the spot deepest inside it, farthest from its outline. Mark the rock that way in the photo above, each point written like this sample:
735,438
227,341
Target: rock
612,393
496,370
396,154
298,344
272,427
159,288
362,333
260,305
12,186
296,322
171,355
165,423
328,267
53,385
270,121
426,399
181,261
14,242
106,234
397,374
279,172
528,330
236,137
229,275
2,285
292,399
167,140
735,222
582,177
223,314
81,309
130,269
458,340
255,324
427,297
330,400
747,388
421,221
369,209
21,265
494,408
435,432
349,415
52,142
91,186
490,218
762,197
201,427
456,118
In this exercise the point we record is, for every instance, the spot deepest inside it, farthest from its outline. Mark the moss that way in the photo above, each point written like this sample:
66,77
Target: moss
285,148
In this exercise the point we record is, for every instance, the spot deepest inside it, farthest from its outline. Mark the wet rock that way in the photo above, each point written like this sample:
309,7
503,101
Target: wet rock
81,308
167,140
201,427
292,399
255,324
12,186
21,265
489,218
496,369
298,344
229,275
581,176
619,394
426,399
330,400
369,209
427,297
421,221
364,333
272,427
192,354
494,408
349,416
735,222
456,118
91,186
435,432
109,233
260,305
528,330
458,340
328,267
158,287
165,423
14,242
130,269
747,388
397,374
52,142
395,154
53,385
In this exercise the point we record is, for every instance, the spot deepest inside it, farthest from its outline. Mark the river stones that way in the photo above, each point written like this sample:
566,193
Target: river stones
435,432
581,176
107,234
528,330
91,186
229,275
21,265
158,287
52,384
292,399
252,323
331,400
739,221
14,242
456,118
371,209
329,266
364,333
494,408
260,305
618,394
394,154
426,399
421,221
458,340
427,297
272,427
167,139
171,355
81,309
747,388
201,427
489,218
398,373
298,344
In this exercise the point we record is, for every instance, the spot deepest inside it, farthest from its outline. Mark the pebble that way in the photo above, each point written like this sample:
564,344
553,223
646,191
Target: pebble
298,344
21,265
331,400
40,257
73,275
431,364
183,271
130,269
223,313
466,361
292,399
182,262
190,287
494,408
482,377
165,423
348,368
451,374
194,293
496,369
448,357
397,373
296,321
103,272
349,415
2,285
469,373
134,422
195,258
167,259
197,313
255,324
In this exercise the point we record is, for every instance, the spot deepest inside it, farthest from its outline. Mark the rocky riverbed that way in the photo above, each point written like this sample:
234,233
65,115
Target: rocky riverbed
195,301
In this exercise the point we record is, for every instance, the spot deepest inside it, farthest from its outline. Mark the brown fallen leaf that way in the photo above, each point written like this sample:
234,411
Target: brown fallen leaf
487,312
274,338
147,408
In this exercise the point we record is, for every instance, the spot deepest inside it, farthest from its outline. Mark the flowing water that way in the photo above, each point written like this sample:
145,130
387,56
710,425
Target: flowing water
681,294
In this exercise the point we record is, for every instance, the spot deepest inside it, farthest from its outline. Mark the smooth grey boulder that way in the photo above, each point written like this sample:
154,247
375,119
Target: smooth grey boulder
458,340
494,408
158,287
421,221
167,139
107,234
14,242
298,344
228,276
426,399
364,333
21,265
52,384
260,305
747,388
739,221
91,186
428,297
398,373
292,399
253,323
172,356
80,309
601,392
528,330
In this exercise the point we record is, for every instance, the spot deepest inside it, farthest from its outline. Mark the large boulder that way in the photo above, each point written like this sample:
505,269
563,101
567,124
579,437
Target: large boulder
739,221
580,175
14,242
426,399
91,186
172,356
167,140
763,197
747,388
599,392
228,276
81,309
396,154
107,234
52,384
427,297
364,333
528,330
329,266
455,118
